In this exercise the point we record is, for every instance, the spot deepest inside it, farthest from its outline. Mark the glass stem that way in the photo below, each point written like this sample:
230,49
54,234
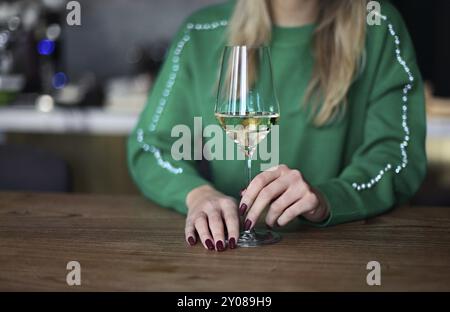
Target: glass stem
251,233
249,169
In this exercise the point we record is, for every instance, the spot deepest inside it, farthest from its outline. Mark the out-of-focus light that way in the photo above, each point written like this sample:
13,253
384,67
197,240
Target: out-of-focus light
54,4
14,23
134,55
4,37
45,103
59,80
46,47
53,32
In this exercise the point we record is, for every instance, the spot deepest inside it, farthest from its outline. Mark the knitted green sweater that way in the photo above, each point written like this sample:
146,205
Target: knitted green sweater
363,164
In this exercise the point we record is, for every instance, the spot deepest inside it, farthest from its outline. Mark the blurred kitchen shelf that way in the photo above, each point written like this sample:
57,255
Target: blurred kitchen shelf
438,127
26,119
437,106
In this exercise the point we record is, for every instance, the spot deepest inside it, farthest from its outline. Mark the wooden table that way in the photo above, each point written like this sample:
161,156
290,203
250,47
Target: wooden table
127,243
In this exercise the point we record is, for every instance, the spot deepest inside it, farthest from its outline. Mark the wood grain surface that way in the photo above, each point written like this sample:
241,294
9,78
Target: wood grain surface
127,243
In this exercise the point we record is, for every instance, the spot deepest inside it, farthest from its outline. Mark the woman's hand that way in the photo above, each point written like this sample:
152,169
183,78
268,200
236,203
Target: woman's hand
286,193
208,210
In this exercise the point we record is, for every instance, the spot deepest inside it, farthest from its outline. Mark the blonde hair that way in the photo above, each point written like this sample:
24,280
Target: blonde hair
338,45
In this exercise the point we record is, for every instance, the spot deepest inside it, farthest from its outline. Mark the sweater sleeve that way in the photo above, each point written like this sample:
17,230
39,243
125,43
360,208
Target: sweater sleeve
160,177
390,164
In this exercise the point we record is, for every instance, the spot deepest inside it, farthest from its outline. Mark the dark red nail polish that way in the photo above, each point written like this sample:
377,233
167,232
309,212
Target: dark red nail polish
191,241
247,225
232,243
209,244
242,209
219,246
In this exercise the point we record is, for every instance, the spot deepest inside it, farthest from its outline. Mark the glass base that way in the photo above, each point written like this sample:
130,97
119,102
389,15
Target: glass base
254,238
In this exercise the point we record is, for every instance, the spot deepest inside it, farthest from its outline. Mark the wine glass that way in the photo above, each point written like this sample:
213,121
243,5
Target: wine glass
247,108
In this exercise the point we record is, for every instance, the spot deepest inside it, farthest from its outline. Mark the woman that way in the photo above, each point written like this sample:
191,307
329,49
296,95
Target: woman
352,126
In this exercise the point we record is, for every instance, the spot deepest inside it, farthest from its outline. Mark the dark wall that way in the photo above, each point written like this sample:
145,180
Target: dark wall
112,30
429,25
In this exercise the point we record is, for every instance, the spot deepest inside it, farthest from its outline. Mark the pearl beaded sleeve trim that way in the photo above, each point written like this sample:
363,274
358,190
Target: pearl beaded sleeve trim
404,111
157,153
175,67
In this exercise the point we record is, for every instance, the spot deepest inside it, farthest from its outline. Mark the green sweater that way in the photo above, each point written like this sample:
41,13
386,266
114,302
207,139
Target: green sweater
370,160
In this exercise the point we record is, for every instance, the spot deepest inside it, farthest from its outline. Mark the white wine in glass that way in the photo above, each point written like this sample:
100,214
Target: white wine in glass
247,131
247,108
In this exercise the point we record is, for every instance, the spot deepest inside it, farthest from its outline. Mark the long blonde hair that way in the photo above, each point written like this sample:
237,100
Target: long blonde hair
338,45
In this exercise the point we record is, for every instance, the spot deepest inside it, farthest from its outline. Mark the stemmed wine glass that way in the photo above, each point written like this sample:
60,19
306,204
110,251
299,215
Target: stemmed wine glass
247,108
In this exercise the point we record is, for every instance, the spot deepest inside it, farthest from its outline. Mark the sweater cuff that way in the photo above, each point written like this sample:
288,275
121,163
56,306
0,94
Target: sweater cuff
340,204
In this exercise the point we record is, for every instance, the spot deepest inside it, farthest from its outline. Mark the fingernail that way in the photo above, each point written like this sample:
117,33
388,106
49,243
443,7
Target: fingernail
242,209
219,246
232,243
191,241
247,225
209,244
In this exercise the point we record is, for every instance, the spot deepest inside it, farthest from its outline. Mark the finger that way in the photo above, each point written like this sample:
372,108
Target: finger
312,212
189,232
201,225
277,207
307,203
256,185
264,198
230,215
217,230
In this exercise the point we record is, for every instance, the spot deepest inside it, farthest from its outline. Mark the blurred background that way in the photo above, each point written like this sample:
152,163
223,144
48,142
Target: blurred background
69,95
